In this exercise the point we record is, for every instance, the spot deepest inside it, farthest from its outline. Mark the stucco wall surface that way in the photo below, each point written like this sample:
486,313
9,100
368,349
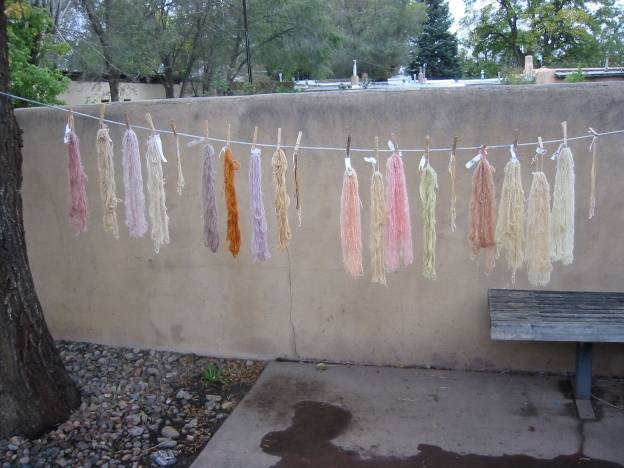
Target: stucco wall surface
301,304
92,92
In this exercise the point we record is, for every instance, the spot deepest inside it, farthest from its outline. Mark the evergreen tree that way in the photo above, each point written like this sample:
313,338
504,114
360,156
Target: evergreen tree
436,46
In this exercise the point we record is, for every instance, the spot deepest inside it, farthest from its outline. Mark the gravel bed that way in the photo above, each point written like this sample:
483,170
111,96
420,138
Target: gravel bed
134,404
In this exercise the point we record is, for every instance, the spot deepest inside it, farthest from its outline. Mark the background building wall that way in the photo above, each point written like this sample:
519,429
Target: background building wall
92,92
301,304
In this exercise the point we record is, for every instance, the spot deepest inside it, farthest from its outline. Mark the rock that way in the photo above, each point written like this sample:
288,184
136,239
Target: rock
24,460
169,432
136,431
213,397
191,423
133,419
227,405
13,447
165,443
183,395
152,371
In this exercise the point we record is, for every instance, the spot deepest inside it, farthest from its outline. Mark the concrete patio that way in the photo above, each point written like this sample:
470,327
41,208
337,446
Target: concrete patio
364,416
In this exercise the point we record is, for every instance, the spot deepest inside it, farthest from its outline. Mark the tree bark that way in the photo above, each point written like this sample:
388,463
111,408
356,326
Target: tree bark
113,85
36,391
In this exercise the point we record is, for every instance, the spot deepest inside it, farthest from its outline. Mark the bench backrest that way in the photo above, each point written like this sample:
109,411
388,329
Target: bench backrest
556,315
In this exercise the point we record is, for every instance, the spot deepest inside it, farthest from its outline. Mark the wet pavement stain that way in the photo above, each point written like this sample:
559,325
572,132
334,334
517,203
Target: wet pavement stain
307,444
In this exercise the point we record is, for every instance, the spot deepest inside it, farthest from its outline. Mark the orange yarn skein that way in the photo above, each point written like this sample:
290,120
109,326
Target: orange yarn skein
233,227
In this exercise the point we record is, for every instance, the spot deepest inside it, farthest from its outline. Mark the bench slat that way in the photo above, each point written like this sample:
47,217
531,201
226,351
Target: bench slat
556,315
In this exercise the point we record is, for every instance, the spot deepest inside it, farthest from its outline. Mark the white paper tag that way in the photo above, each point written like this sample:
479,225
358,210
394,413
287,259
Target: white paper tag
390,145
473,161
514,156
67,133
348,165
370,160
423,162
159,144
555,155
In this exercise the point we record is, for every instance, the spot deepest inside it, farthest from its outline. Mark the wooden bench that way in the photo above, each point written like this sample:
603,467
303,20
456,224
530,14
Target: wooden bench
582,317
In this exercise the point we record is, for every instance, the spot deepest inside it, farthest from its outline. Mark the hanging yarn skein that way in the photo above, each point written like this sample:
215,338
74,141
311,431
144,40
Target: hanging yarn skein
180,179
482,214
210,214
562,214
230,166
510,222
106,173
350,220
157,207
297,179
134,197
539,264
452,174
259,234
593,147
78,203
377,221
282,200
398,224
428,187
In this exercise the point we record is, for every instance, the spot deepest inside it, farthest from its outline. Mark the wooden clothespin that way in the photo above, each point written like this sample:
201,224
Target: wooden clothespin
515,143
376,147
424,160
454,147
172,124
70,118
102,111
279,138
150,122
298,142
127,119
564,127
254,138
542,151
348,156
206,133
296,149
227,140
593,132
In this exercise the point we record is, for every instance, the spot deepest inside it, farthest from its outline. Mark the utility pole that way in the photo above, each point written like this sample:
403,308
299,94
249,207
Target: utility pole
248,52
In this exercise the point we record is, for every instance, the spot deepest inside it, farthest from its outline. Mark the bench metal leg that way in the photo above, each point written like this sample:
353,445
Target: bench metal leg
583,380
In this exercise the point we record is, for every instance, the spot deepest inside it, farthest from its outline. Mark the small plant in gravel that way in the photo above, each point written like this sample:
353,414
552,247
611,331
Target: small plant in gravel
212,374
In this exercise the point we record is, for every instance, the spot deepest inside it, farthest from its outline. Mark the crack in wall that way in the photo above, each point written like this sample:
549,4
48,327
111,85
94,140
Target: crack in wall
293,336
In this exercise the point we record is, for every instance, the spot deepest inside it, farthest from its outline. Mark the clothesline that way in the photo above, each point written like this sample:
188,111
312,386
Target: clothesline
301,147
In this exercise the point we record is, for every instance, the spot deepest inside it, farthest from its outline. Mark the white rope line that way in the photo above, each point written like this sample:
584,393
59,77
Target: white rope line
301,147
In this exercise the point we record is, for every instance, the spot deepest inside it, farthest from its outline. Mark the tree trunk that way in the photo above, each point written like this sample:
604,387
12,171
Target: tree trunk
36,391
169,88
168,79
113,85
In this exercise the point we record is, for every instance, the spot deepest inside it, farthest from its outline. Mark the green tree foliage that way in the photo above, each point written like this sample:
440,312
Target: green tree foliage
555,32
31,49
296,39
376,33
436,46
